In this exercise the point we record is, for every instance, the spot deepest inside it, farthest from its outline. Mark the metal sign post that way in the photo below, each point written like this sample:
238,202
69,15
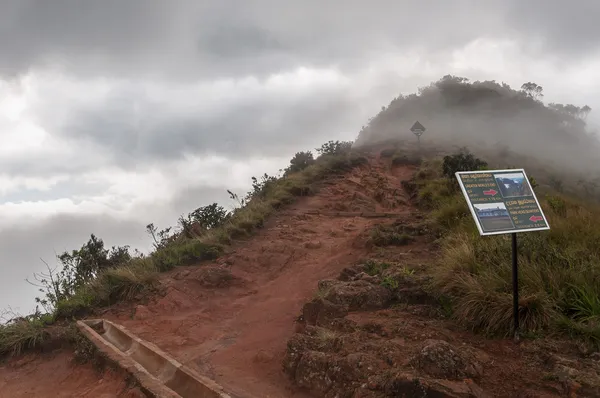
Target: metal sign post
515,281
503,202
418,129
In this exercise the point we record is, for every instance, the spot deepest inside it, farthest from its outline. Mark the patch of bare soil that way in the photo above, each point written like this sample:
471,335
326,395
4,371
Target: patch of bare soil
57,375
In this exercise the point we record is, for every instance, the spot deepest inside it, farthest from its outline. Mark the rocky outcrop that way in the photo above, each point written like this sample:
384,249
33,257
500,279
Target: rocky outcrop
356,295
333,356
441,360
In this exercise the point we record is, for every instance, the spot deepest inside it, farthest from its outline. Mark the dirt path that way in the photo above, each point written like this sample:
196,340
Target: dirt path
237,334
57,376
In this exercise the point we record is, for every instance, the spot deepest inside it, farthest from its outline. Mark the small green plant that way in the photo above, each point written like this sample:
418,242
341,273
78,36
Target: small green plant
557,205
407,271
532,181
390,283
446,306
374,267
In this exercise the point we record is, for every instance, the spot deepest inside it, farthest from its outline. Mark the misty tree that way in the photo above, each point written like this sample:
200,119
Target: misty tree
571,110
532,90
463,160
454,79
585,111
300,161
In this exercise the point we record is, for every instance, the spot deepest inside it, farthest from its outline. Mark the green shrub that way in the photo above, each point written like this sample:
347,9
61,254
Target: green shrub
185,252
557,205
203,219
374,267
462,161
300,161
390,283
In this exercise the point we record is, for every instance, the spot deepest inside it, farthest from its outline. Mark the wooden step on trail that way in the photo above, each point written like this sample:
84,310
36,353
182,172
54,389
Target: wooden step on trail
159,375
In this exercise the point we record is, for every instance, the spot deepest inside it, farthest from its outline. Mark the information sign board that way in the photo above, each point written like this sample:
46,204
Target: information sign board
502,201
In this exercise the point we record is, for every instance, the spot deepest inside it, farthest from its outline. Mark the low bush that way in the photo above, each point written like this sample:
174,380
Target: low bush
462,161
300,161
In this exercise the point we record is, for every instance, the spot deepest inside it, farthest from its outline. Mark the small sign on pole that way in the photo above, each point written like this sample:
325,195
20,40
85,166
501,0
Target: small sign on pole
503,202
418,129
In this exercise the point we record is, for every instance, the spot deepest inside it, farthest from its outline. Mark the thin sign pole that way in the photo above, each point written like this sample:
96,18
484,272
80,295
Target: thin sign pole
515,280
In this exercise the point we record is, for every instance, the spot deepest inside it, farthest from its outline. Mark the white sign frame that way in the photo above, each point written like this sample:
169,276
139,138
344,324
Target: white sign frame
474,213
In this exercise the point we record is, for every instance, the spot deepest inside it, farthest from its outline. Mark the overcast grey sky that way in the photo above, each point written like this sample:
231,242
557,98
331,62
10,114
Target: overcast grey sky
114,114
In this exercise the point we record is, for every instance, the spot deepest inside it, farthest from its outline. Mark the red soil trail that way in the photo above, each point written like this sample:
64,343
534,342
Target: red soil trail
237,335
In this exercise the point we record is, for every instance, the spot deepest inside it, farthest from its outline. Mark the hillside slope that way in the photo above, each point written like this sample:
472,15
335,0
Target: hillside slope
324,300
232,320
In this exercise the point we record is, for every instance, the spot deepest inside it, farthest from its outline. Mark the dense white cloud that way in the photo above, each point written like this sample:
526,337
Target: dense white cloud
127,115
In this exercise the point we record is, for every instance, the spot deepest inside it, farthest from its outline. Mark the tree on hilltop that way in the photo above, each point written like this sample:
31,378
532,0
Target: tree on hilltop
533,90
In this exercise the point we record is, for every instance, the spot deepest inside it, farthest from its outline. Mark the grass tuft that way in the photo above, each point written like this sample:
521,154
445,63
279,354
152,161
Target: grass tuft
23,334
